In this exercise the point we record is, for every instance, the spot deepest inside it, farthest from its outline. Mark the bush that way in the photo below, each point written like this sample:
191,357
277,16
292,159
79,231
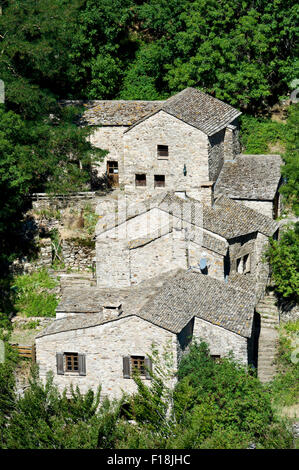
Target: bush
283,256
32,296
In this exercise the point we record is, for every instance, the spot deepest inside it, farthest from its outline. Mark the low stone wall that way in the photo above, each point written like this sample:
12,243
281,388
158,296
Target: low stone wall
78,254
19,322
43,201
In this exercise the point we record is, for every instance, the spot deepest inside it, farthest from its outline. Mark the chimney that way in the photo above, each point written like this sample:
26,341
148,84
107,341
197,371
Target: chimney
231,143
207,193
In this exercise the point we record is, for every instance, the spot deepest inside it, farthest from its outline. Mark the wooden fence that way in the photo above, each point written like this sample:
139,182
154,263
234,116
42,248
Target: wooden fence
25,351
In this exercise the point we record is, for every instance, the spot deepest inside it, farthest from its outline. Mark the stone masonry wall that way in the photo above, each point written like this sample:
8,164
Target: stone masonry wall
109,138
104,346
76,255
187,146
216,154
221,341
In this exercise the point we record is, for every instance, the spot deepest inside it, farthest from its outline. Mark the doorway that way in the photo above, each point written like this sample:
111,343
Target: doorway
112,172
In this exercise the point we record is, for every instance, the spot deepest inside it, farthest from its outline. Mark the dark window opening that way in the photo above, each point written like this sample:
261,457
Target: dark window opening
71,362
215,357
140,180
159,181
162,151
138,364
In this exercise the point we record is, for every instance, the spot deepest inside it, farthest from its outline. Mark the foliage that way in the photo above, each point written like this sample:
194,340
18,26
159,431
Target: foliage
45,419
258,133
283,255
290,170
32,296
7,384
285,386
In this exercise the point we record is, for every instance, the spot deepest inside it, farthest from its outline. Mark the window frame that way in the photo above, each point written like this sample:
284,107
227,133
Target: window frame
159,185
136,180
162,152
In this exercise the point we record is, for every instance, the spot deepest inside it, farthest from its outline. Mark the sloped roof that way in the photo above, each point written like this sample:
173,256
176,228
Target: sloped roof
227,218
250,177
232,219
191,294
170,303
113,112
192,106
199,110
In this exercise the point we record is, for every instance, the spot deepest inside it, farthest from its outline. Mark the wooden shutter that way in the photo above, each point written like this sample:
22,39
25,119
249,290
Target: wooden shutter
148,367
82,364
126,367
60,363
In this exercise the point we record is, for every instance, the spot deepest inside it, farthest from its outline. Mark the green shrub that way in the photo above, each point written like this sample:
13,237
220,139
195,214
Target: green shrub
32,296
283,256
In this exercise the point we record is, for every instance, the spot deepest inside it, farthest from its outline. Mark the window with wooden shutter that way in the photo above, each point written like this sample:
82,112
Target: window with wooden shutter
82,364
71,362
126,367
137,364
60,363
148,367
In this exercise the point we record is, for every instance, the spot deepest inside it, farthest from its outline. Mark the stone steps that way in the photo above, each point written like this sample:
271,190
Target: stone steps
268,340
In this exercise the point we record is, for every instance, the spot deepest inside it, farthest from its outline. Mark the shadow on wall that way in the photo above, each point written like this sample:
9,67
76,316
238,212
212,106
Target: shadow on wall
99,183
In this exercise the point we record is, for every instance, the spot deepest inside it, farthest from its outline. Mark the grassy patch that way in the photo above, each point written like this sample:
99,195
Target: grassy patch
32,296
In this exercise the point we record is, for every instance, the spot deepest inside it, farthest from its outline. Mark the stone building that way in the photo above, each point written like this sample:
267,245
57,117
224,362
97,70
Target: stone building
253,180
185,262
102,336
167,232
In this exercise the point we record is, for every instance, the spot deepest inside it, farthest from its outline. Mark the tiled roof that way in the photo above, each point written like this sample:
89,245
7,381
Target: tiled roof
250,177
169,302
191,294
231,219
192,106
227,218
114,112
198,109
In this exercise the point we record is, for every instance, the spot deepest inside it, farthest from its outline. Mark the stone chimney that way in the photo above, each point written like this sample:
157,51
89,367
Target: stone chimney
207,193
231,143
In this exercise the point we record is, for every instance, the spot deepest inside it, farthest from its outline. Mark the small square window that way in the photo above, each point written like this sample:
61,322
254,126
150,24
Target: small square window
159,181
137,364
216,357
71,362
140,180
162,151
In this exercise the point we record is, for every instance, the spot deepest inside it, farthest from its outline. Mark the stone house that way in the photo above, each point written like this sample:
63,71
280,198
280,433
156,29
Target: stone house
167,232
103,335
178,144
188,143
183,263
252,180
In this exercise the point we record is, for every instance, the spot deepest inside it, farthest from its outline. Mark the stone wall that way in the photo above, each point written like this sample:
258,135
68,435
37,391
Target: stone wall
44,202
76,254
187,147
109,138
220,341
104,346
216,154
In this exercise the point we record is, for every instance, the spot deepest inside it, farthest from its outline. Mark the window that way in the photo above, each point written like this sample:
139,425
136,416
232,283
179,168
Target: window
159,181
215,357
140,180
162,151
141,364
243,264
70,362
137,364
